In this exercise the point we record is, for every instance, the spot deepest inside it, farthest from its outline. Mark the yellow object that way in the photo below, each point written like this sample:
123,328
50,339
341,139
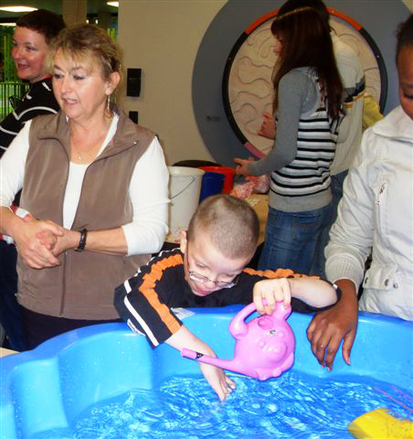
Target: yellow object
380,424
371,112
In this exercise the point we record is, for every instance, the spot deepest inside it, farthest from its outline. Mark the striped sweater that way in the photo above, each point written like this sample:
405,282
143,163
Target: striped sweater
309,172
304,146
37,101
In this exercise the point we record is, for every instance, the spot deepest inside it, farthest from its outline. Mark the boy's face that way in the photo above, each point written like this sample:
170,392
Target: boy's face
206,268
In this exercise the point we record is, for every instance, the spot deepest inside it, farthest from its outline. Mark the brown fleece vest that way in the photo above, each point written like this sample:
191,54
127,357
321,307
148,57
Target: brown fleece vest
82,286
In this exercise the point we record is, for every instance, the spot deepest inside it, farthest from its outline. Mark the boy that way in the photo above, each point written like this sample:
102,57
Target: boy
208,271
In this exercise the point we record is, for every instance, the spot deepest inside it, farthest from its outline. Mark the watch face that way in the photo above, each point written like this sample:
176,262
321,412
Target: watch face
248,89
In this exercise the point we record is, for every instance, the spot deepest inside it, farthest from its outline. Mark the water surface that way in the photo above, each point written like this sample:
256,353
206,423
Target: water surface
292,406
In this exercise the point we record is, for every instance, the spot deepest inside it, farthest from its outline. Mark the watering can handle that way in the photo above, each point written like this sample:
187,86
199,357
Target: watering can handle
238,327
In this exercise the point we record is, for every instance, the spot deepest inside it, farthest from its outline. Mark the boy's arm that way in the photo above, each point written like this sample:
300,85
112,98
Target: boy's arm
215,376
145,300
316,293
145,310
144,305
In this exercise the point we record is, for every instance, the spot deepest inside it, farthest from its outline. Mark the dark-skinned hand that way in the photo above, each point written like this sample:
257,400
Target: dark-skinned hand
329,328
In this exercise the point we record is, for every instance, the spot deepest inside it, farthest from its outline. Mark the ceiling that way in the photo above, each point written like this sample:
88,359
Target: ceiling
93,7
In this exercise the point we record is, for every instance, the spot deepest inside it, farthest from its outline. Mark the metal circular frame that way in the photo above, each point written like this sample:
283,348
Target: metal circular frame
243,37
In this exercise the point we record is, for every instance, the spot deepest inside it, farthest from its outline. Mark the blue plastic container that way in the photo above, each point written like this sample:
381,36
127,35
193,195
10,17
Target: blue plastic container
212,184
47,388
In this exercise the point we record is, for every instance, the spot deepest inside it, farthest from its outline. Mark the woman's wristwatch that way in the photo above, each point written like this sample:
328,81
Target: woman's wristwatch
82,241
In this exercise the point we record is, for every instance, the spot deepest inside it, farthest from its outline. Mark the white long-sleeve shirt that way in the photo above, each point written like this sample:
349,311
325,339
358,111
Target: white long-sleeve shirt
148,190
376,212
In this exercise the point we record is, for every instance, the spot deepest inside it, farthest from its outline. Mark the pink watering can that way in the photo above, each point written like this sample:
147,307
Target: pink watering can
264,347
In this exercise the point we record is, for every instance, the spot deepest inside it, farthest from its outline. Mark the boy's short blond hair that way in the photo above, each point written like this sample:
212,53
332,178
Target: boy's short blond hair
232,225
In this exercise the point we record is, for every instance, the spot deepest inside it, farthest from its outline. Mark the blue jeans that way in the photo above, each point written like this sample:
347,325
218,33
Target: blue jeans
319,261
291,239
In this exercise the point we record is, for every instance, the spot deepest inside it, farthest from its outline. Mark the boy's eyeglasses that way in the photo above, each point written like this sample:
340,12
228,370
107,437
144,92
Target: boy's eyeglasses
203,279
218,283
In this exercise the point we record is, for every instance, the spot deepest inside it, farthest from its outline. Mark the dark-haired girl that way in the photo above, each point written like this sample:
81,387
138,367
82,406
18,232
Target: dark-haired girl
307,106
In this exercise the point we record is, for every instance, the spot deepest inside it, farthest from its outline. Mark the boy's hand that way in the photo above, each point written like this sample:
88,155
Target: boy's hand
215,376
273,291
218,380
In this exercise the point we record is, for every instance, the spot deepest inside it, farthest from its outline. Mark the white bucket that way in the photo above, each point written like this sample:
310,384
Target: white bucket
184,190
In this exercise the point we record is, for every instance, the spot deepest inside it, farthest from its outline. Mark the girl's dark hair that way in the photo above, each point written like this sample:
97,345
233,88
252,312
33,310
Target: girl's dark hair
318,5
404,35
44,22
306,42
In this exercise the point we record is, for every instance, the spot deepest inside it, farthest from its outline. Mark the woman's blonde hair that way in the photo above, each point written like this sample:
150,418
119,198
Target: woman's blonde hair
91,43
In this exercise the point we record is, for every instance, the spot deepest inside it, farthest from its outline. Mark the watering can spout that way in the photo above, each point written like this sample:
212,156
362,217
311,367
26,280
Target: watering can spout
207,359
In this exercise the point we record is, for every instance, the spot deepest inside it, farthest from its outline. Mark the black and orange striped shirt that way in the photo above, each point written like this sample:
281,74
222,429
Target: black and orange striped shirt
145,301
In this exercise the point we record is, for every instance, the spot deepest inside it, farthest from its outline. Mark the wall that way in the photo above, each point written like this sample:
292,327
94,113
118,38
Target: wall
163,36
409,4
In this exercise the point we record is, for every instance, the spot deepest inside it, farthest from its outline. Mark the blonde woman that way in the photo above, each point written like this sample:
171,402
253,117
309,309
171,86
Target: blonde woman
95,185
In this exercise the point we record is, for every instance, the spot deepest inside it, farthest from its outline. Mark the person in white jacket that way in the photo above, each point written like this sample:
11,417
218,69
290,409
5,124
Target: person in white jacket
375,215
